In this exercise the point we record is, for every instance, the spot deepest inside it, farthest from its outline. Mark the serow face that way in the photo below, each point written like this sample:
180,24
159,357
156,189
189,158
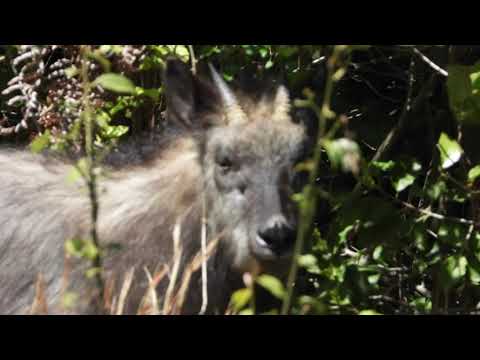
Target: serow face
252,179
250,147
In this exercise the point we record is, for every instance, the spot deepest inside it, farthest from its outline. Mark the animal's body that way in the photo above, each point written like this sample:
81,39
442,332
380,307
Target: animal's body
235,153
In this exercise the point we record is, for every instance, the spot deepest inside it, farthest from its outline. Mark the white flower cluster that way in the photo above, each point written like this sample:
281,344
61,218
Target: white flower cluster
44,91
29,67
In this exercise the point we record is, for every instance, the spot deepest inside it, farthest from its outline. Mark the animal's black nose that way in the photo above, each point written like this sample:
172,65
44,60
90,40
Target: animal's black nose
279,238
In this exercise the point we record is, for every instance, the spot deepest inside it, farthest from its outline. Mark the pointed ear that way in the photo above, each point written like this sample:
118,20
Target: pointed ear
179,91
189,98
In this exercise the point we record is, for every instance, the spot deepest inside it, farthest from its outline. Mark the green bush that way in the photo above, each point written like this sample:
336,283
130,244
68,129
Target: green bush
390,217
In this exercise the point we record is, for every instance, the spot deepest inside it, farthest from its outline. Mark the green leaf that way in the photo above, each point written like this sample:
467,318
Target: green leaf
108,49
90,251
415,166
71,71
246,312
422,304
92,272
403,182
476,246
450,151
263,52
113,132
452,234
373,279
310,263
317,306
101,59
153,93
40,142
463,86
453,269
369,312
240,298
343,235
383,166
473,275
73,175
475,80
307,261
344,154
436,190
180,51
459,84
81,248
474,173
403,172
116,83
72,247
103,119
227,77
69,299
78,171
105,49
420,239
378,253
272,284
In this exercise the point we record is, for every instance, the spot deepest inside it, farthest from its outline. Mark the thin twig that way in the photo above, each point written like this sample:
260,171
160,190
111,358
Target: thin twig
151,291
468,191
151,307
430,63
65,278
91,179
425,211
394,134
204,259
124,291
177,255
108,294
308,208
9,131
194,265
361,79
39,306
193,59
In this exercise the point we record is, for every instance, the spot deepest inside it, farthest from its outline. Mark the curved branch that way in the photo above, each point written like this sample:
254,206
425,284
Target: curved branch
430,63
394,134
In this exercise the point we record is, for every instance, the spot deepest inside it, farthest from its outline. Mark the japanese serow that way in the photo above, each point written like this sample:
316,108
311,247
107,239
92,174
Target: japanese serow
225,173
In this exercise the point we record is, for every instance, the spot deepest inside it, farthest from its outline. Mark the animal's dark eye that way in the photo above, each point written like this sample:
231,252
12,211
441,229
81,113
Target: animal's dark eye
225,163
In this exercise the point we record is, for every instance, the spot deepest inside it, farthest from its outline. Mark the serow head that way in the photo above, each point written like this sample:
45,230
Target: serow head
249,146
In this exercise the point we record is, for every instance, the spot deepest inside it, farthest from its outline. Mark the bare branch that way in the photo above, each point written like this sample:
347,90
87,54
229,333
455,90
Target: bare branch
204,259
193,59
124,291
177,255
427,212
39,306
9,131
430,63
394,134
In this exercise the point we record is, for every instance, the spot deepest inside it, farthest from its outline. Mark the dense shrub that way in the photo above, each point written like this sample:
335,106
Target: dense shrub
390,218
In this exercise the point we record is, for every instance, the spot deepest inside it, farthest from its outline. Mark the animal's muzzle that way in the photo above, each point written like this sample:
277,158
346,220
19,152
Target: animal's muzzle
279,238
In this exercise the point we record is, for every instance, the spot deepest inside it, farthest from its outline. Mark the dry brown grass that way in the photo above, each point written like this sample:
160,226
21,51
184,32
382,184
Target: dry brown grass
114,304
